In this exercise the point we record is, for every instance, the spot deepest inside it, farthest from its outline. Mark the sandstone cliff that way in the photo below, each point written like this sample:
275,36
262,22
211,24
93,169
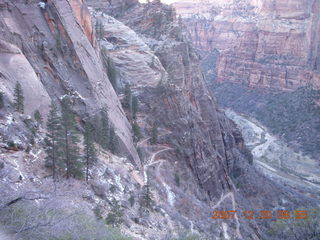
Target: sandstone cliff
197,142
51,52
268,44
198,163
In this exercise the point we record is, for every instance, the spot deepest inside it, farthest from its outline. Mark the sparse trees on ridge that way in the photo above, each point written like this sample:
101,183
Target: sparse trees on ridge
18,98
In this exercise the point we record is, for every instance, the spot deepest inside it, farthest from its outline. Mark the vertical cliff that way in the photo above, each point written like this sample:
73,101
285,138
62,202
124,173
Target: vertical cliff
51,52
260,43
196,163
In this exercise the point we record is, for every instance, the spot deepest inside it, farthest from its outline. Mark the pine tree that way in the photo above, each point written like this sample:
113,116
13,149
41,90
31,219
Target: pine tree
135,108
113,141
38,117
104,134
97,130
70,140
136,132
18,98
1,100
128,97
154,137
115,217
99,30
146,197
89,149
53,158
112,73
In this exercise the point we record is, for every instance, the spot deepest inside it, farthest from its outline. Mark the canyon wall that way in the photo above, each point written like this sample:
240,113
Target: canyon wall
51,53
267,44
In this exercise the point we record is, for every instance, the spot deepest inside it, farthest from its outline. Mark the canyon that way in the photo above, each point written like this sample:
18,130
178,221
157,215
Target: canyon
199,163
260,43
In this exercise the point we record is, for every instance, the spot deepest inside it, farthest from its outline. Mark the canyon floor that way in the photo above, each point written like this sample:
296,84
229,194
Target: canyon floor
276,159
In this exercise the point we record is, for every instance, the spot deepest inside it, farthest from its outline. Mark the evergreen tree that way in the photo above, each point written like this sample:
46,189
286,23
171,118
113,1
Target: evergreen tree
97,130
18,98
104,134
1,100
99,30
112,73
113,141
154,137
128,97
70,140
134,107
53,158
115,217
38,117
136,132
146,197
89,149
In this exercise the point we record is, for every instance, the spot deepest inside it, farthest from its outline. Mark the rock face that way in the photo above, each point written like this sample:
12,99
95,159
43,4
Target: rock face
173,91
51,52
197,163
261,43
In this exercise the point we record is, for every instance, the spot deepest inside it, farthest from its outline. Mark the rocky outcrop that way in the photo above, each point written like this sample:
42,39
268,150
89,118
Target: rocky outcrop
175,96
268,44
51,53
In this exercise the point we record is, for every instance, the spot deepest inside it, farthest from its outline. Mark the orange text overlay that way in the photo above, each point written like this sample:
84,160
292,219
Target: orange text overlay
250,215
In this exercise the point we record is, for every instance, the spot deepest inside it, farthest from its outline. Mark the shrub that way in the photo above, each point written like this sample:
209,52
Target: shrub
177,179
114,217
131,199
1,100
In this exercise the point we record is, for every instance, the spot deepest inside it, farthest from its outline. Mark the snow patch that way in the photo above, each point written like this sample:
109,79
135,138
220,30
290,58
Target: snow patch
171,196
225,231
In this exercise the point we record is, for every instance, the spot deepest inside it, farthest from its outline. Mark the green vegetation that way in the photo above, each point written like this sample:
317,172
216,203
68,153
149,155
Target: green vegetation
154,132
53,158
113,141
99,30
291,115
62,143
115,215
112,73
127,98
89,149
140,153
177,179
55,220
131,199
136,132
69,140
104,129
18,98
104,133
135,107
38,117
146,198
110,68
297,229
1,100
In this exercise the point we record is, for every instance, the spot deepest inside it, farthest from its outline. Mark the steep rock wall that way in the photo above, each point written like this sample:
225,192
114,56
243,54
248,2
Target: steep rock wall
176,97
261,43
56,45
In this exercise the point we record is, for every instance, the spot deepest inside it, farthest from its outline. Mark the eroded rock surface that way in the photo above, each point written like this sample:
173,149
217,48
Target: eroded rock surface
261,43
51,52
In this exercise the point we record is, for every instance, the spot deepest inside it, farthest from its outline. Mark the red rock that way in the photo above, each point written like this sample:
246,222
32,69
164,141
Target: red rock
262,43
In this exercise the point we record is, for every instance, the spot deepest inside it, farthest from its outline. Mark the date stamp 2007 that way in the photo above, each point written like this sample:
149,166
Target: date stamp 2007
263,214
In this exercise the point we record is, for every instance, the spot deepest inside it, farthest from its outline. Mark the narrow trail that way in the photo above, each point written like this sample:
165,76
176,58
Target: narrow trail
151,161
231,196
